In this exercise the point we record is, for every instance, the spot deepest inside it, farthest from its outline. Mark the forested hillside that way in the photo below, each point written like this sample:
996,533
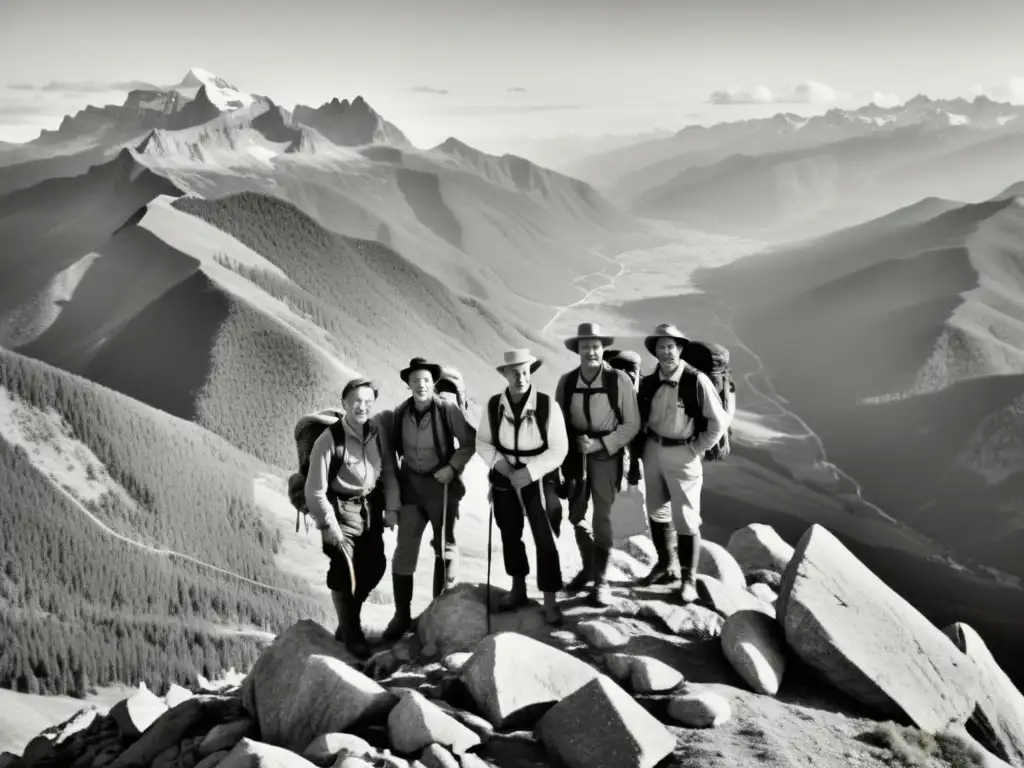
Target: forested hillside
79,606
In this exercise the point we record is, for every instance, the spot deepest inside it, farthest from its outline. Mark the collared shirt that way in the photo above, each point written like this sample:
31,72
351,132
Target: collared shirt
357,473
602,416
668,417
418,447
529,436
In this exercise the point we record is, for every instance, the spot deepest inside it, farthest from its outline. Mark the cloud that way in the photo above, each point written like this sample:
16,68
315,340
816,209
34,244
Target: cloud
86,86
517,89
18,107
1011,89
428,89
809,92
505,109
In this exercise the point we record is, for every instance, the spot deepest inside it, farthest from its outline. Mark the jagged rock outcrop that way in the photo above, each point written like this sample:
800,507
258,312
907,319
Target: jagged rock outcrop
601,726
508,691
998,720
869,642
758,547
350,124
635,683
302,686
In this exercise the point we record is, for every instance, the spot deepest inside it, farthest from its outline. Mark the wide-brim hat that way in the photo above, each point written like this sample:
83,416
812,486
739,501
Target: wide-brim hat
517,356
587,331
665,330
421,364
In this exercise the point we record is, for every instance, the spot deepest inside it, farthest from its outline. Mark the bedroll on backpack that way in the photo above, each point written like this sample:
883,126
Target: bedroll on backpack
307,430
713,361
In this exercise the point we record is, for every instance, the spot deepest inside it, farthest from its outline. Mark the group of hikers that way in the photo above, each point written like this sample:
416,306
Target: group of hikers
361,472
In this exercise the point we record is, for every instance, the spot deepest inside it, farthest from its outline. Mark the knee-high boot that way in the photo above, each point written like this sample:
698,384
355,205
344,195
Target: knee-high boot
585,542
399,625
666,568
689,560
600,593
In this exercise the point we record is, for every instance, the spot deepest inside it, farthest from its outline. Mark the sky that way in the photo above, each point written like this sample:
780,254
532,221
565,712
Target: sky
483,70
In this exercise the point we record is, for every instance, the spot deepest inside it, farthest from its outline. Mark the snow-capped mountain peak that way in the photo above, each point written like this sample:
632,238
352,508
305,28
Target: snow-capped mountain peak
222,94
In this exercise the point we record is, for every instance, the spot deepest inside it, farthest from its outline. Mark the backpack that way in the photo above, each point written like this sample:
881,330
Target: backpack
609,386
542,413
307,430
571,467
713,361
451,381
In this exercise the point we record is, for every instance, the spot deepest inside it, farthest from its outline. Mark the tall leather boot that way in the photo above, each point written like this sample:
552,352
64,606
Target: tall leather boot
516,597
585,542
689,559
666,568
402,620
601,593
441,581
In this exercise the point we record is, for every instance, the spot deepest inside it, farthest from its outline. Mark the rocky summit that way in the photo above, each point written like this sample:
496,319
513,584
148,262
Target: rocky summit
827,667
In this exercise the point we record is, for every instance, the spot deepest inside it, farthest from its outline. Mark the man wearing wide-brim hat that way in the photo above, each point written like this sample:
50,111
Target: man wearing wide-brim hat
601,418
672,448
420,453
522,439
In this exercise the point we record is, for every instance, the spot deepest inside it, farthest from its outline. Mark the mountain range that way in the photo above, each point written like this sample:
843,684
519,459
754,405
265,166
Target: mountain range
788,177
184,275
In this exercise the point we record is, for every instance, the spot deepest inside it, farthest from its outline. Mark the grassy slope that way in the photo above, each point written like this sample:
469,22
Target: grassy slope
77,601
377,309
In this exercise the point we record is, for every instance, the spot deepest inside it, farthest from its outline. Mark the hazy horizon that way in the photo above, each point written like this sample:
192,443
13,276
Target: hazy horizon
484,72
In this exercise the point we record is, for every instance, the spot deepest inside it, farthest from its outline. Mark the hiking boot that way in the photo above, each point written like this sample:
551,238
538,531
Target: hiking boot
666,569
689,550
442,584
350,632
552,613
601,593
586,547
402,620
578,582
516,597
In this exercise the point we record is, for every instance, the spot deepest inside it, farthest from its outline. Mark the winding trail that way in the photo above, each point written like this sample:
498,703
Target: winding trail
586,297
170,552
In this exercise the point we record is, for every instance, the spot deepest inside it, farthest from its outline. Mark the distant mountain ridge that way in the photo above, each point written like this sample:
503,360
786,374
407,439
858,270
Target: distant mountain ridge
787,177
199,97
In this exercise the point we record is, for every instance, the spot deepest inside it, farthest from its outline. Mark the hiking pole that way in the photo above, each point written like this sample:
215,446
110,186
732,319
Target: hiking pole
444,539
490,528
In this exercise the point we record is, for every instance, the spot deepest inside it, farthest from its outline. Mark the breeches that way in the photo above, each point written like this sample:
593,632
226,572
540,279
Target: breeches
603,478
424,498
673,479
359,565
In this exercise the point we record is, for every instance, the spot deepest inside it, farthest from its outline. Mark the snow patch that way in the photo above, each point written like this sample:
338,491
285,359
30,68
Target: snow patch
54,450
222,94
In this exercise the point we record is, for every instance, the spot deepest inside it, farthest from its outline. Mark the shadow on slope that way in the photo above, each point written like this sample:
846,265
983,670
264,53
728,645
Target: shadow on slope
753,283
422,192
48,227
121,279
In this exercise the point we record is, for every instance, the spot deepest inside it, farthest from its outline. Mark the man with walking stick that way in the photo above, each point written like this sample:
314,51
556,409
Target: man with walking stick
602,417
421,432
522,439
